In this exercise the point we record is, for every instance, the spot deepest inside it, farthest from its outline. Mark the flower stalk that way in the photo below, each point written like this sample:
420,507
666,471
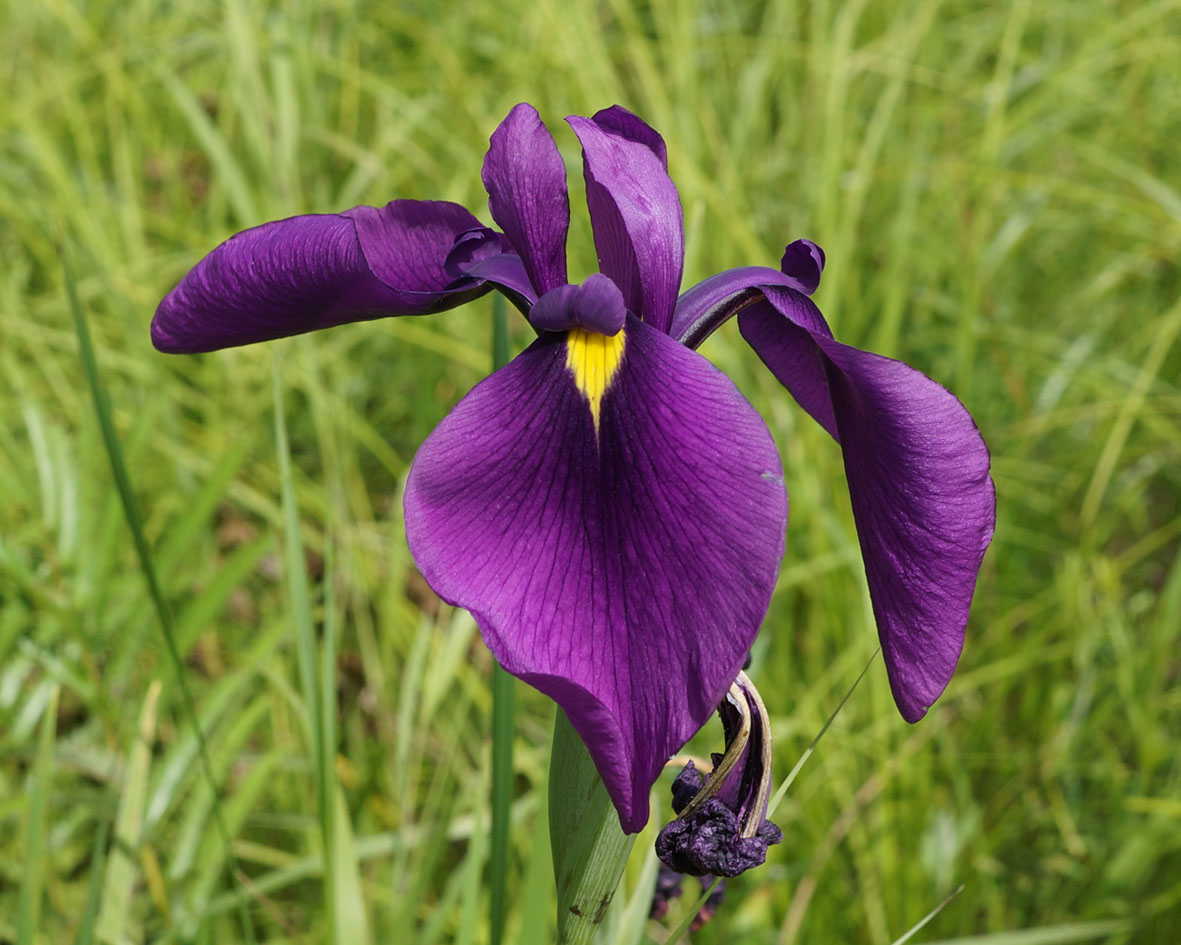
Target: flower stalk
503,705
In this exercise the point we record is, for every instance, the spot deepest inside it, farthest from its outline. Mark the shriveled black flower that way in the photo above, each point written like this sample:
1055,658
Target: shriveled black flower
721,827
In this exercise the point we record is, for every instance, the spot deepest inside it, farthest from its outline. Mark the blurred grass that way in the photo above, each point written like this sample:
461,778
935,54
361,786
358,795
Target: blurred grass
997,190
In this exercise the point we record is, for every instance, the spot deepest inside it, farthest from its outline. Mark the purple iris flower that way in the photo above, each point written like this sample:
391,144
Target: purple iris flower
608,506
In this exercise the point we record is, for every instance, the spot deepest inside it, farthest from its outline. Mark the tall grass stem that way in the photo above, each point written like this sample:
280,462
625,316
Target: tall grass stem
114,450
503,708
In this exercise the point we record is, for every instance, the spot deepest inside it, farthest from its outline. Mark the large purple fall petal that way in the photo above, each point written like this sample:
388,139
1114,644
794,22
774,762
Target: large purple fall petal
619,560
635,211
526,183
316,271
918,477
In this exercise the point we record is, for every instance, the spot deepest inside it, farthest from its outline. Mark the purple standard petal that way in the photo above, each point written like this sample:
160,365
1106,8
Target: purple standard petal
526,183
616,531
917,467
619,121
635,211
316,271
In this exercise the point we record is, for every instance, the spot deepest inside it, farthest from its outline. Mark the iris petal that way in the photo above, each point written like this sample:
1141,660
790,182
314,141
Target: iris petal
704,308
804,261
316,271
635,211
508,274
618,120
918,477
526,183
621,568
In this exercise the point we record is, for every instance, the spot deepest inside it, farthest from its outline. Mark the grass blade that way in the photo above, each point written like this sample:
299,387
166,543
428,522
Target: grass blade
914,929
1047,935
86,928
537,886
300,601
679,932
341,879
349,916
787,782
118,886
503,699
114,450
37,826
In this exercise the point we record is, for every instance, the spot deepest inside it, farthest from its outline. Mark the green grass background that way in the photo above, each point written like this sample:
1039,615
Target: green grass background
998,189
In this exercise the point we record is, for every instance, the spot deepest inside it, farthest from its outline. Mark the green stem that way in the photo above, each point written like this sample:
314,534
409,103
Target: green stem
499,332
502,719
589,847
502,780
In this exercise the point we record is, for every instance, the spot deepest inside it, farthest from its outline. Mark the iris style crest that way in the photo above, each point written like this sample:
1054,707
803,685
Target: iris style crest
608,505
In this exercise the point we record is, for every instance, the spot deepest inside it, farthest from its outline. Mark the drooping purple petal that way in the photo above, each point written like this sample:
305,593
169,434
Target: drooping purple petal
596,305
635,212
317,271
407,242
918,477
619,563
526,183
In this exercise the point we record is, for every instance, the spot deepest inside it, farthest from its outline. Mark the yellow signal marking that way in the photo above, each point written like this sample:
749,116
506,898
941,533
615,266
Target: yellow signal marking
593,360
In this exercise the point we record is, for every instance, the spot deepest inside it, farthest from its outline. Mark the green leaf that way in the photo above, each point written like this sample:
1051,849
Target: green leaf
350,918
589,847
